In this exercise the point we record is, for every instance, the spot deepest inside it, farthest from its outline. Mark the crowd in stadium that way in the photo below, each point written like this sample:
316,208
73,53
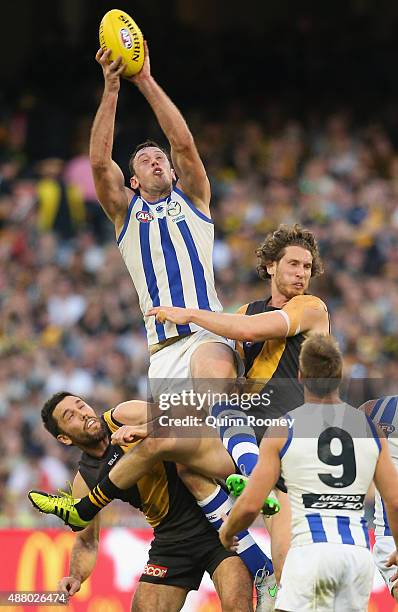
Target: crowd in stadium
69,317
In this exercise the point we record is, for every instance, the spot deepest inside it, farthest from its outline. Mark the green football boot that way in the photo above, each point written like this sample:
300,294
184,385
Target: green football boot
235,485
62,505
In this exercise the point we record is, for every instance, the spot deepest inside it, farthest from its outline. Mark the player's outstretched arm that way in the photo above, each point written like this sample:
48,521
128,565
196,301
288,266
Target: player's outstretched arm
301,314
258,487
186,161
108,177
386,481
235,326
85,548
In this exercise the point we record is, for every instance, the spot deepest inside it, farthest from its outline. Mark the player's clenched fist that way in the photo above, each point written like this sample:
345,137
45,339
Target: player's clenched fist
112,70
174,314
69,585
128,434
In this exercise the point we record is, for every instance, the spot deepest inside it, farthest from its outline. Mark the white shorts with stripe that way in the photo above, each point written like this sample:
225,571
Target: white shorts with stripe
326,577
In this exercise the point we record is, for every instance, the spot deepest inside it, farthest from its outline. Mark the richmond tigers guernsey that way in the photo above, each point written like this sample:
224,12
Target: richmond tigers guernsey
167,247
275,363
167,504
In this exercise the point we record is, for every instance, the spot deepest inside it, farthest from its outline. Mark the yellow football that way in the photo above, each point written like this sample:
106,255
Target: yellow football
119,33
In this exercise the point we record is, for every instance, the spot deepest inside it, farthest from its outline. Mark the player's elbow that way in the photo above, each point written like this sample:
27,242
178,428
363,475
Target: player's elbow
99,164
182,144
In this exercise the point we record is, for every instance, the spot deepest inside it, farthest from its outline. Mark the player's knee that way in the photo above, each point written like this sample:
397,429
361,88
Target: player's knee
156,447
146,598
164,449
213,360
151,597
198,485
234,602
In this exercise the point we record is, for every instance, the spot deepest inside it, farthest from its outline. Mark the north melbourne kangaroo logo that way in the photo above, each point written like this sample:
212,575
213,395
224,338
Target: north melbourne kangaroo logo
173,209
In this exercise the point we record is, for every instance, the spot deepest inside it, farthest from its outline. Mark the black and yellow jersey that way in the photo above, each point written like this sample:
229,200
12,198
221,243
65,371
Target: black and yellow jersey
167,504
274,363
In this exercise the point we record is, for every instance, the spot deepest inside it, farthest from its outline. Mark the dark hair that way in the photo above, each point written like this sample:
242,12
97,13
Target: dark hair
321,364
144,145
274,247
47,412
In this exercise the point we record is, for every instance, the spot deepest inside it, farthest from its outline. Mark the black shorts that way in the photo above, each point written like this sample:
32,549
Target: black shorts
183,563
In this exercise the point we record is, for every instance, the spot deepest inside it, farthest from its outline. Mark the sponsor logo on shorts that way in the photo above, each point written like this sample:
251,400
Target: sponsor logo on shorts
144,216
158,571
126,38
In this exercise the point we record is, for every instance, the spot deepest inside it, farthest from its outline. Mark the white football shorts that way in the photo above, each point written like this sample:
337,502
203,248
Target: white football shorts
382,549
174,362
326,577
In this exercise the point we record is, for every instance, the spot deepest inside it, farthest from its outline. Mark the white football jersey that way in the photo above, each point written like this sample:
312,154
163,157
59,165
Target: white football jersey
167,247
328,463
385,414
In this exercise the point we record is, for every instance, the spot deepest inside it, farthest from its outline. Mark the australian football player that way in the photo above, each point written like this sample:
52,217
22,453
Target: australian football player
185,545
328,458
271,332
384,413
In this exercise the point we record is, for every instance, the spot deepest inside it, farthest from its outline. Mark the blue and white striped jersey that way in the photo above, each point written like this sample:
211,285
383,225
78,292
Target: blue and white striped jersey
167,247
385,414
328,463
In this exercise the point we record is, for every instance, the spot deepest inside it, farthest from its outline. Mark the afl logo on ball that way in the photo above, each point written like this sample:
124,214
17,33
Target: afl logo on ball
173,209
144,216
126,38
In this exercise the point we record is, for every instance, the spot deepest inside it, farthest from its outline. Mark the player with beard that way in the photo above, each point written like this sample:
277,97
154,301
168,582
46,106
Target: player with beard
271,332
165,236
185,545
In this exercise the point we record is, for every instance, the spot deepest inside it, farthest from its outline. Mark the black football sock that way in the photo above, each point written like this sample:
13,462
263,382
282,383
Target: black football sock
99,497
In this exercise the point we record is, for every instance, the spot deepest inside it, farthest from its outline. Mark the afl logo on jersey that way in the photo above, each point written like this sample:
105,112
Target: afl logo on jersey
173,209
144,216
387,428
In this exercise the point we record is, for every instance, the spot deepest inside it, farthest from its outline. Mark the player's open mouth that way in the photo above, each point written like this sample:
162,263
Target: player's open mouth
158,171
299,285
90,422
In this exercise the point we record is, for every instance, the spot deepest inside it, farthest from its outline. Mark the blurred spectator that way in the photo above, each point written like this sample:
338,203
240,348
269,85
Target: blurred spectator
69,316
60,206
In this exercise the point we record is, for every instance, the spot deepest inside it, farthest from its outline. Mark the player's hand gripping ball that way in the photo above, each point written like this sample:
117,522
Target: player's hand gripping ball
119,33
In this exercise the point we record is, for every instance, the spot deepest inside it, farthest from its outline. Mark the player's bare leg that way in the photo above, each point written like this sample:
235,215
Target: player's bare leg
205,455
278,528
234,586
213,360
160,597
